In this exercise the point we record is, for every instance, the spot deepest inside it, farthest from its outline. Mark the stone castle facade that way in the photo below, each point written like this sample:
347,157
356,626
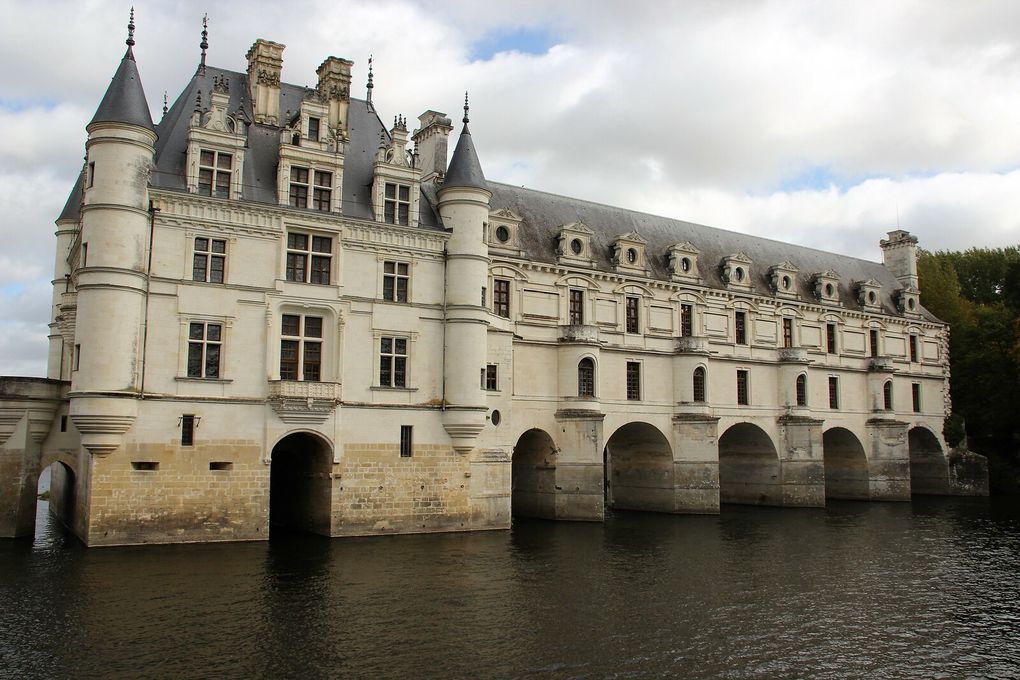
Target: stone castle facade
271,311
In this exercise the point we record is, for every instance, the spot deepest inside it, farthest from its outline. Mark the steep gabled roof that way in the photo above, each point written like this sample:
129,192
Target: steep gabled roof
124,101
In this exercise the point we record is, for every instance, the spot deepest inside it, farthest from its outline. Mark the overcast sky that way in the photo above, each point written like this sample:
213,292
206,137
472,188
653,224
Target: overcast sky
822,124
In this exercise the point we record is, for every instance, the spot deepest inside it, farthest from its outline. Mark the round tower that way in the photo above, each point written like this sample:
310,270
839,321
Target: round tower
464,207
111,259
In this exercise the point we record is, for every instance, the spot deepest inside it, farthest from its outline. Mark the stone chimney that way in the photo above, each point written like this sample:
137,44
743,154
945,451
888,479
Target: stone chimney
899,253
430,142
335,88
265,63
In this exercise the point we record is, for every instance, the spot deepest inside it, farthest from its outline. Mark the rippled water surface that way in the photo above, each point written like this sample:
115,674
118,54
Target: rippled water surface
925,589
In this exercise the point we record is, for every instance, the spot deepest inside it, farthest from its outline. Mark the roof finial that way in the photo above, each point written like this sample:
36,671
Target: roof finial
205,42
370,85
165,107
465,107
131,29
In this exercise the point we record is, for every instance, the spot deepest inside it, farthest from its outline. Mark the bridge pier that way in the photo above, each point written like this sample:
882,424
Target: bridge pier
27,409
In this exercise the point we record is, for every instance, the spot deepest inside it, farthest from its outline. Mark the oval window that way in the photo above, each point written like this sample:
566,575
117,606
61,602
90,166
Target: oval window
738,274
910,304
829,290
786,283
872,298
685,264
502,234
576,246
631,255
495,417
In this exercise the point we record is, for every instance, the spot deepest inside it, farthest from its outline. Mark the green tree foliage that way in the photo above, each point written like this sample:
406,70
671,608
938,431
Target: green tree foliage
978,293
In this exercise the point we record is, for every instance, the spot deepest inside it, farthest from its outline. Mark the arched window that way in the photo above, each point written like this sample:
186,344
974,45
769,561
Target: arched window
586,378
699,384
801,390
887,395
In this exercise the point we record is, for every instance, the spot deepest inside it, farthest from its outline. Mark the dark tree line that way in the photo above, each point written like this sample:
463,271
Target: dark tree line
978,293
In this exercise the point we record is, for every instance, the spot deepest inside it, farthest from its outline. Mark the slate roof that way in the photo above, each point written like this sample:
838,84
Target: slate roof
465,170
544,214
263,153
124,101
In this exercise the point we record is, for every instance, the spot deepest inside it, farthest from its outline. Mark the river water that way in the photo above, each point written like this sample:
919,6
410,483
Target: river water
871,590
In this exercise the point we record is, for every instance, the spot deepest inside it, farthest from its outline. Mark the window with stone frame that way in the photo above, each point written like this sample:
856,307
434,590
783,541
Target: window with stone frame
301,347
501,297
633,381
830,338
313,128
740,327
322,191
873,342
490,381
915,396
743,388
396,277
214,171
405,441
887,395
298,187
586,378
204,343
309,258
787,331
632,306
698,385
913,348
575,311
686,320
210,259
801,388
392,362
397,203
833,392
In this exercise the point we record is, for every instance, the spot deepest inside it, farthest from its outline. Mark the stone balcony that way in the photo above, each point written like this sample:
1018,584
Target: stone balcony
579,333
297,401
691,344
792,355
881,365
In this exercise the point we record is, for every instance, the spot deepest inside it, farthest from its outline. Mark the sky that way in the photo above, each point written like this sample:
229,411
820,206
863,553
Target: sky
822,124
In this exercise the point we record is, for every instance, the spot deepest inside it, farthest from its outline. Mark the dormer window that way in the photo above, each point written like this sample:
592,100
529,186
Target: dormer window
575,245
502,234
683,262
783,278
397,204
214,170
313,128
629,253
827,286
868,294
736,271
907,301
504,231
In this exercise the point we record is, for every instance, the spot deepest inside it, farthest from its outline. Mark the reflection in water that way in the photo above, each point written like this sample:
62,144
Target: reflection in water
856,589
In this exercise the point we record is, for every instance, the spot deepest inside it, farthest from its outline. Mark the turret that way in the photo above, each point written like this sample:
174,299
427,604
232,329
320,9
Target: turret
63,309
111,263
464,207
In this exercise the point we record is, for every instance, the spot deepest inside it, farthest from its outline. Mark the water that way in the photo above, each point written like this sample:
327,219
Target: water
925,589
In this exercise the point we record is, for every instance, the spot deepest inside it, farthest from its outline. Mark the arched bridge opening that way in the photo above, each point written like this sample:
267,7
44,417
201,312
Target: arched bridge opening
846,465
639,469
57,495
533,476
929,467
300,488
748,467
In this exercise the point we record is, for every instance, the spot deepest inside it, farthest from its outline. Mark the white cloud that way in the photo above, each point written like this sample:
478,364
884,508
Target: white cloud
708,112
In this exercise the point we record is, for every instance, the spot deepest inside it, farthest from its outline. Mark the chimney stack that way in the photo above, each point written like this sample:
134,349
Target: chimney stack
899,253
265,63
335,87
430,142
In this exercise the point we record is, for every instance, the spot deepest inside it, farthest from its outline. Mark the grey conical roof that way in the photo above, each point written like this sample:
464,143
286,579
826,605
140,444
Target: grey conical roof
465,170
124,101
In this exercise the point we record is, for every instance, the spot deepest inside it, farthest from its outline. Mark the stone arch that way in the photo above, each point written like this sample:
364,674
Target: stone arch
748,467
639,469
846,465
62,487
300,484
533,475
929,467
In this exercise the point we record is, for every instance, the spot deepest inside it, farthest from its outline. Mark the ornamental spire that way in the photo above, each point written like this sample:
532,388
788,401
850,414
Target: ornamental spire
130,42
370,85
204,45
465,107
